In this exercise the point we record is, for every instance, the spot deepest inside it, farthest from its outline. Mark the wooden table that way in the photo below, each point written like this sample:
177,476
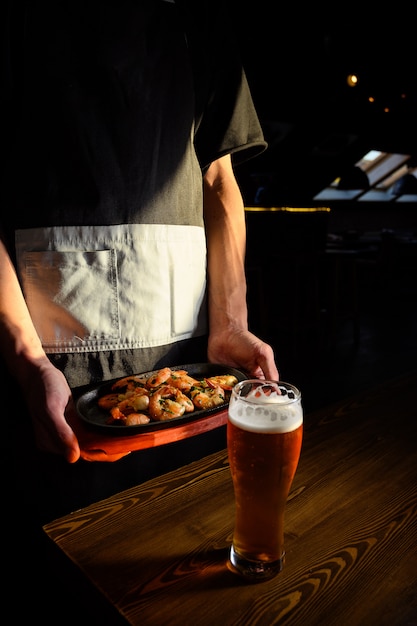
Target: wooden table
158,551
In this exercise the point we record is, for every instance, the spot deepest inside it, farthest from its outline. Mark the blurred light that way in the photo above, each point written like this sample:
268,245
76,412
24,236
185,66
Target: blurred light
352,80
371,156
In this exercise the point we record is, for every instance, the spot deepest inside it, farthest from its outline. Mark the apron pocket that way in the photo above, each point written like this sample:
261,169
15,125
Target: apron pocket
72,296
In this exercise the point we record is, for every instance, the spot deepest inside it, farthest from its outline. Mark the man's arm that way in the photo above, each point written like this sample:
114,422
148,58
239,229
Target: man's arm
230,341
44,387
20,345
226,240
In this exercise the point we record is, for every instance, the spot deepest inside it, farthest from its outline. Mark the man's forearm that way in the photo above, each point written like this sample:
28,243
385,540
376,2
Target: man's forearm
20,345
226,244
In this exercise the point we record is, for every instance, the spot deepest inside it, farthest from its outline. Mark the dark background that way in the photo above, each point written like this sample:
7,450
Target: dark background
297,59
362,329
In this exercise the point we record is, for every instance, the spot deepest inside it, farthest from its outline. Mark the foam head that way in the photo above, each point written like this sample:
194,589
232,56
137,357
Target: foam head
266,406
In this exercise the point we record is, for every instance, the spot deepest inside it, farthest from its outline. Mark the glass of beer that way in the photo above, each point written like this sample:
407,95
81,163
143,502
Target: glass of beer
264,436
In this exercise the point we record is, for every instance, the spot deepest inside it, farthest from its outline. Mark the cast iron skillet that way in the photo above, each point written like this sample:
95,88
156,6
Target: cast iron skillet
97,418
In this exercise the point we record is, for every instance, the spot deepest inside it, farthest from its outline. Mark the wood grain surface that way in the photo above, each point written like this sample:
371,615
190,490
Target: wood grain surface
158,551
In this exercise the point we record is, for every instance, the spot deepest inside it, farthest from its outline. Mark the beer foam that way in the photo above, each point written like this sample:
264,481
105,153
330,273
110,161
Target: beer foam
282,416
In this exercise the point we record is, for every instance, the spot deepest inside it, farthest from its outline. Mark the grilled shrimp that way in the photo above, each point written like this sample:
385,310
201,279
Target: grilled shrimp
108,401
137,419
207,397
226,381
164,395
168,402
131,419
129,383
125,403
135,401
158,378
181,380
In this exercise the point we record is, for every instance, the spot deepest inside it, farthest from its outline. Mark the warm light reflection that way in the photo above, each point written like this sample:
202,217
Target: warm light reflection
352,80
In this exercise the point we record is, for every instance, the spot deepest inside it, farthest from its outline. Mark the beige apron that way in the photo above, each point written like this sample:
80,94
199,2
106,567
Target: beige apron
95,288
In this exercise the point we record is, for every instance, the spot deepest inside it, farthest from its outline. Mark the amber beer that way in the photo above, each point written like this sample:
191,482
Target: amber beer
264,436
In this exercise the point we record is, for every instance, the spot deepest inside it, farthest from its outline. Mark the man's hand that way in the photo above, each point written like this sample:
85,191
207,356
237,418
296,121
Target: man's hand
52,409
242,349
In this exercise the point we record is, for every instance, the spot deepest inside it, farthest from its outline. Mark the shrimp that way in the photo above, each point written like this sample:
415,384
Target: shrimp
226,381
181,380
207,397
121,405
168,402
108,401
137,419
137,400
116,416
132,419
129,383
163,395
158,378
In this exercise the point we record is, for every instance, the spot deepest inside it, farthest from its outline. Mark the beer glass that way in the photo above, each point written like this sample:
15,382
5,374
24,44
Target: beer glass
264,435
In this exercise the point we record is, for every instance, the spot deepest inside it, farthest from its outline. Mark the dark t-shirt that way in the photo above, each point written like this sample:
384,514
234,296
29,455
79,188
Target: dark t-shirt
116,109
113,111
